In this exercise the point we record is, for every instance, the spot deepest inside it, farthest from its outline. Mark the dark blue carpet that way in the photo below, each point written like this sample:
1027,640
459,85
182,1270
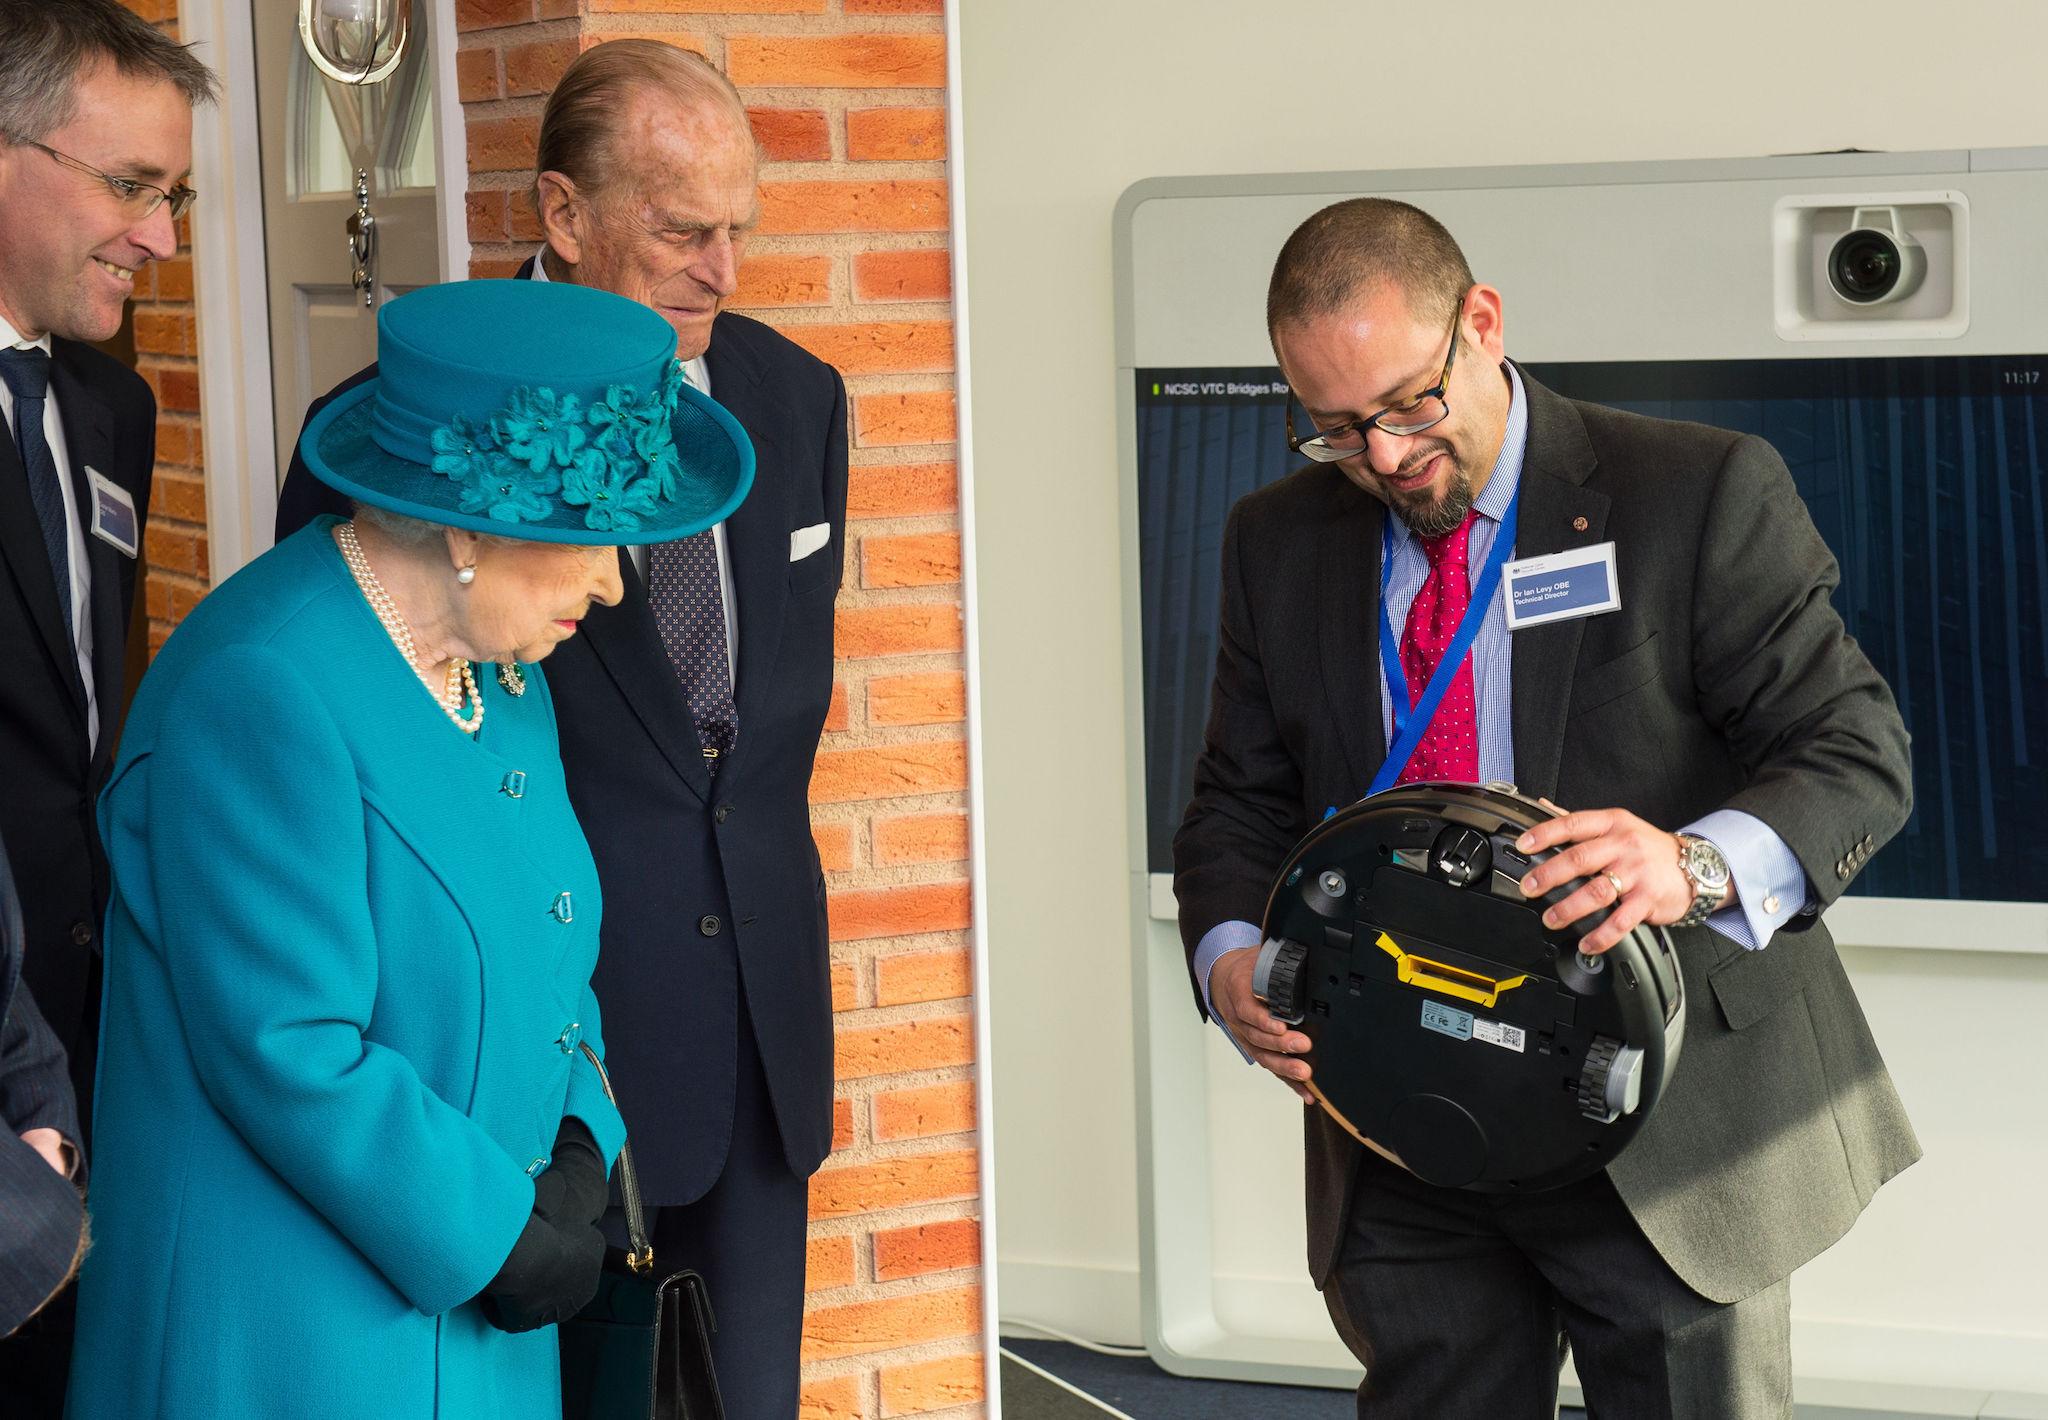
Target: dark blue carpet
1133,1385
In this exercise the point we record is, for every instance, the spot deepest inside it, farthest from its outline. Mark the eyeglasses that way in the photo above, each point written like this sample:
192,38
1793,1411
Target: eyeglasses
1425,411
140,197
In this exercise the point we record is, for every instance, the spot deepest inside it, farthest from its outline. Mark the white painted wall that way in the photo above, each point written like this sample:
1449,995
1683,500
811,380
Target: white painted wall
1065,104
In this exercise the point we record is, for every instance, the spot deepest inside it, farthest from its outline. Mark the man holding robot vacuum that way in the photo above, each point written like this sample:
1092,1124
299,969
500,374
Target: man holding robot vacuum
1473,580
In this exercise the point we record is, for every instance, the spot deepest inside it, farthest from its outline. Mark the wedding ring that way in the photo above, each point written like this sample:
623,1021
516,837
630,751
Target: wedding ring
1619,891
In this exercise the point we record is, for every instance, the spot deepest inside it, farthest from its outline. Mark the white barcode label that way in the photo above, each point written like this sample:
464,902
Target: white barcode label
1496,1033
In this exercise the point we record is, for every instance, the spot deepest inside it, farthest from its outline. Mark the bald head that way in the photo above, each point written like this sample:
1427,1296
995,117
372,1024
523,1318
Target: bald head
1351,247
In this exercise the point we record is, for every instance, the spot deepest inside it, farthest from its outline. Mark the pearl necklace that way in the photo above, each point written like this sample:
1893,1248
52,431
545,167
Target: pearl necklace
461,682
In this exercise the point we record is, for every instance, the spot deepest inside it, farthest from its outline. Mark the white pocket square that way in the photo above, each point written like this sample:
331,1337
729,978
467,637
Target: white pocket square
805,541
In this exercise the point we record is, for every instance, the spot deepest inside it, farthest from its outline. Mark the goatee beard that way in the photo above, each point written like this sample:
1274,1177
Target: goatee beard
1440,516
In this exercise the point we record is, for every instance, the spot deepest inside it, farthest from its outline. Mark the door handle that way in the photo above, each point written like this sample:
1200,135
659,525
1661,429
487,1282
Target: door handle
362,243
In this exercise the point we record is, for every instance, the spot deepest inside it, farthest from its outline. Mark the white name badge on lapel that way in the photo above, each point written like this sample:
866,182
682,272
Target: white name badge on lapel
1561,585
113,513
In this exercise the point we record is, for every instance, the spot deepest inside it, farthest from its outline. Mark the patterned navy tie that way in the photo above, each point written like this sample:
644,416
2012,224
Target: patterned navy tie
27,374
689,609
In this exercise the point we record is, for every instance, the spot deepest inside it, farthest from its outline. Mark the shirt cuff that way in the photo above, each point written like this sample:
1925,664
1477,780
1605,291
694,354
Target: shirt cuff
1223,937
1770,886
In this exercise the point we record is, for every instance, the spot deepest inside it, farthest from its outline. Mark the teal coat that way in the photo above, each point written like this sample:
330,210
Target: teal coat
347,965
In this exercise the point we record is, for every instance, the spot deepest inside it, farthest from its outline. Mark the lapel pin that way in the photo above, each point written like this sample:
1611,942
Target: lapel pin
514,679
1578,525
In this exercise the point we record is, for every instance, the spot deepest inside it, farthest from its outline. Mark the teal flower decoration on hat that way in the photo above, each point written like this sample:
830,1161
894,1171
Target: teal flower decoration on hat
507,492
639,428
462,449
614,492
664,468
652,437
541,428
618,409
614,457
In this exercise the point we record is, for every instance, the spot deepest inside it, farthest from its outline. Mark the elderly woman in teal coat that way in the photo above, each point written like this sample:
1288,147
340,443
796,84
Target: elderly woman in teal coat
350,1149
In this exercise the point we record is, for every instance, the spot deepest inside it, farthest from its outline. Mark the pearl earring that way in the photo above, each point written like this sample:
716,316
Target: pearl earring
465,575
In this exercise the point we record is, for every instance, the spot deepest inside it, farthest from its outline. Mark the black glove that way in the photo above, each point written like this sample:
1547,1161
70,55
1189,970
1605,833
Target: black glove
553,1271
581,1191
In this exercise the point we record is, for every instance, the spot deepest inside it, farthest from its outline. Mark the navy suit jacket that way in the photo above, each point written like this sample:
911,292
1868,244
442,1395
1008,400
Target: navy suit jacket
713,893
50,768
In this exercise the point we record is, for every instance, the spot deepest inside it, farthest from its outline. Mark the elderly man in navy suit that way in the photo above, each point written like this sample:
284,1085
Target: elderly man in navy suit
690,714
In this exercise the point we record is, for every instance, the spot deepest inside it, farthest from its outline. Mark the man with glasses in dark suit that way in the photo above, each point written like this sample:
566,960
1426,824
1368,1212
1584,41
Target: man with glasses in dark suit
1734,759
95,145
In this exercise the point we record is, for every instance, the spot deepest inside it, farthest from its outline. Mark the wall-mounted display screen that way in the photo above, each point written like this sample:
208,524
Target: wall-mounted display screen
1928,477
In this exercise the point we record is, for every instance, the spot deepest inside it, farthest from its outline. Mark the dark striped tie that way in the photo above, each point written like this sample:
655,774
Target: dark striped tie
27,375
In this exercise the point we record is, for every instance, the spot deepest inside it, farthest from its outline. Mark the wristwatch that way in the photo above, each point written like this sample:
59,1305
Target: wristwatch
1707,870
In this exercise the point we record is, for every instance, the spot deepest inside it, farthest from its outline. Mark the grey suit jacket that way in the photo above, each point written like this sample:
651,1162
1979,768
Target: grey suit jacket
1725,680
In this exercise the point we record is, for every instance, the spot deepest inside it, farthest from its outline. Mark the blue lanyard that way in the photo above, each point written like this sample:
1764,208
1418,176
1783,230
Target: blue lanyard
1411,725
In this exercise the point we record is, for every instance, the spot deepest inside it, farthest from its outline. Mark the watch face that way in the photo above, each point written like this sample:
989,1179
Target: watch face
1704,860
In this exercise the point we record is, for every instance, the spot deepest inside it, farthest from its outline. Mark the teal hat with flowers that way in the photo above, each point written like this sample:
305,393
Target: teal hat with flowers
535,410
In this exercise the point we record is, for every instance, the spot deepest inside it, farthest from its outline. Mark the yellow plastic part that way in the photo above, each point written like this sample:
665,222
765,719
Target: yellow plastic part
1427,975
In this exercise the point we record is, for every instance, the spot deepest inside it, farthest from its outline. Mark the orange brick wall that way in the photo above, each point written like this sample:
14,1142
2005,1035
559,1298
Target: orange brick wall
166,354
848,102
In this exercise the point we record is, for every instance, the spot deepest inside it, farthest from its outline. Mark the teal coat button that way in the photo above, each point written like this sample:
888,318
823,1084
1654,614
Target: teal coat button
571,1034
563,910
514,786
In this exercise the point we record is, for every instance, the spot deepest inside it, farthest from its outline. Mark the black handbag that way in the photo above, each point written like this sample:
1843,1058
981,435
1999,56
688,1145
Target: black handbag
642,1349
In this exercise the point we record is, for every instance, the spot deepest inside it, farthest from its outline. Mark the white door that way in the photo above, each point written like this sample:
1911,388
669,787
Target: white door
314,134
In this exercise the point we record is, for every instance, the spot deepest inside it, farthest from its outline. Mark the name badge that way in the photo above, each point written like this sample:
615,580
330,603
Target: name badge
113,513
1560,586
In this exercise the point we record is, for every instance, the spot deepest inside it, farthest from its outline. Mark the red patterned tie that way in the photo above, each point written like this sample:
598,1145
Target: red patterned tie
1450,748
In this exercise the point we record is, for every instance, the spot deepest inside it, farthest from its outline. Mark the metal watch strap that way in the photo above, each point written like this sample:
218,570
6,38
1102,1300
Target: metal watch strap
1701,907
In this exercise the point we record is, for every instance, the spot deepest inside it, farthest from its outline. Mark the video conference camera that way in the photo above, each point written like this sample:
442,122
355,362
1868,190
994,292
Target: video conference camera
1450,1027
1876,261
